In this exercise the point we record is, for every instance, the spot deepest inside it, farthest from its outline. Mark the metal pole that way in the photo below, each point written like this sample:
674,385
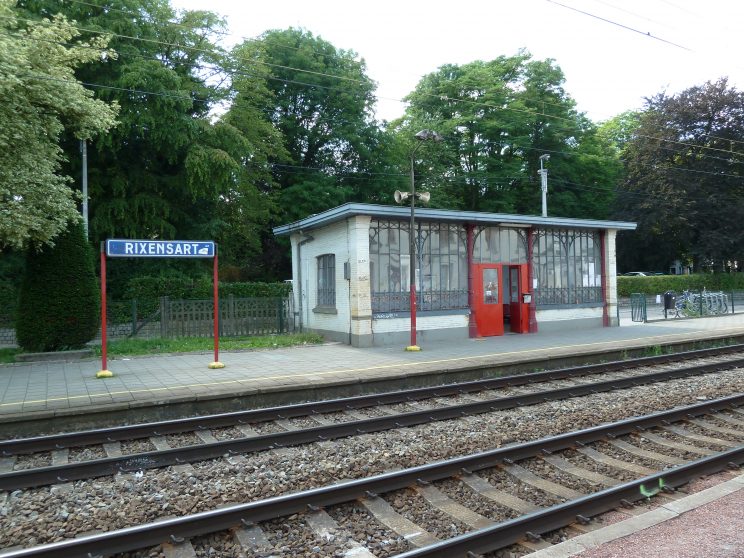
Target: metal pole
412,248
215,278
544,187
84,150
104,372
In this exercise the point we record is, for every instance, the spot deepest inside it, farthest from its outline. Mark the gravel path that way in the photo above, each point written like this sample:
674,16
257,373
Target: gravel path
50,514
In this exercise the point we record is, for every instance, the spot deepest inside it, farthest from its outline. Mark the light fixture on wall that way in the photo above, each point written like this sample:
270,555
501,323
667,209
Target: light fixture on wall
400,197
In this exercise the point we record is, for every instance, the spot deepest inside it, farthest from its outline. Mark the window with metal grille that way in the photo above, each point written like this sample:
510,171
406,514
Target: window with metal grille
441,272
327,280
568,266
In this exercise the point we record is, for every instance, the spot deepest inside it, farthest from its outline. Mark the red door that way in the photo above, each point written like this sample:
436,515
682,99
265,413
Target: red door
489,314
518,308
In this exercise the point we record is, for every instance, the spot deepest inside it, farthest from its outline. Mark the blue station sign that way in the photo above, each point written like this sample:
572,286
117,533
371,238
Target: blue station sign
118,248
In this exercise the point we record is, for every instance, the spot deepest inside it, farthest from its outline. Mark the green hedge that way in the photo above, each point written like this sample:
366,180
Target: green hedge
658,284
58,301
179,286
8,303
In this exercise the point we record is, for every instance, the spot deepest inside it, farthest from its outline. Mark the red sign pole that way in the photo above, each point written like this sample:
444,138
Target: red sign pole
103,372
216,363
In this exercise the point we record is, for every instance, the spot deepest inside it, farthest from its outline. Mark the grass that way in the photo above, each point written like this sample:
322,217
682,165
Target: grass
130,347
133,347
8,355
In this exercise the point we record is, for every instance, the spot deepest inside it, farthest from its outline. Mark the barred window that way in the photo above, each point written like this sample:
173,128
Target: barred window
500,245
441,272
568,266
327,280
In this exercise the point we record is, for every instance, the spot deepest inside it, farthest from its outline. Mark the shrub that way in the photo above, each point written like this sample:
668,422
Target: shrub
180,286
58,302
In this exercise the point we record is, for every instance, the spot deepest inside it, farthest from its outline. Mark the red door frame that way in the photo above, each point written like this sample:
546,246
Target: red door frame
489,314
519,310
489,311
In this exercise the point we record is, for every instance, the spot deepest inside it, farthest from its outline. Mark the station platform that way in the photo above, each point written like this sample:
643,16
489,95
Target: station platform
175,385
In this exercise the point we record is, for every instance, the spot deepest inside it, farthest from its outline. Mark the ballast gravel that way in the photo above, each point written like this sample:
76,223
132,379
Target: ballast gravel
48,514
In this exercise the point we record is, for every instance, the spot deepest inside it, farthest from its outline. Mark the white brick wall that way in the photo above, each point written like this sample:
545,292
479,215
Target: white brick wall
395,325
348,241
544,316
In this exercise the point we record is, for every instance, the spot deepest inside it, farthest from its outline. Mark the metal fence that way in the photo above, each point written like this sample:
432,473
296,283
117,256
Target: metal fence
188,318
238,317
650,308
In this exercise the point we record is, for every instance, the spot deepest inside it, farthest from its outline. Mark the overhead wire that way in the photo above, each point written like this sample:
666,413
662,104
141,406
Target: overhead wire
611,22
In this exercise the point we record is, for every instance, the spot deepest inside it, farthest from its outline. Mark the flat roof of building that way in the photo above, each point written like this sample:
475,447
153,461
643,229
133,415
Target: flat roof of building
447,215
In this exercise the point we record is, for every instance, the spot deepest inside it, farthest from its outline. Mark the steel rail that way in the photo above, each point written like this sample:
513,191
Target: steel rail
101,436
153,534
27,478
561,515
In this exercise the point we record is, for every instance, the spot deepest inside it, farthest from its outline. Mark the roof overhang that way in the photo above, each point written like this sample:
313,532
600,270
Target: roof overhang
345,211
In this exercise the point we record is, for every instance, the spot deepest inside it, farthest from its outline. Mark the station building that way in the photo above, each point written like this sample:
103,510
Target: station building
477,274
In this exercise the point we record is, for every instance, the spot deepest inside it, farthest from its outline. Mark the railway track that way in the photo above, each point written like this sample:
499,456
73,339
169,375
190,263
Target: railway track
328,420
464,506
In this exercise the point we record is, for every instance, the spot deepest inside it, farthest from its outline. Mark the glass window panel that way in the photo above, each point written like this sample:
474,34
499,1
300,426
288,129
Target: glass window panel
494,237
374,280
504,245
444,240
405,243
490,286
374,245
434,241
396,279
514,285
435,272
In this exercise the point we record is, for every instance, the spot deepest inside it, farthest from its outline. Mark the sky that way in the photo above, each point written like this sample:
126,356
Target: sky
665,45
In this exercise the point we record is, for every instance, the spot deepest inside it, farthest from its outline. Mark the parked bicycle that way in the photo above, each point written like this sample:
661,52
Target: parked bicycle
691,304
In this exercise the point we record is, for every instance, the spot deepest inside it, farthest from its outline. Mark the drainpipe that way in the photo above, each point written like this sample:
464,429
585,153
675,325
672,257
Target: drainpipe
307,238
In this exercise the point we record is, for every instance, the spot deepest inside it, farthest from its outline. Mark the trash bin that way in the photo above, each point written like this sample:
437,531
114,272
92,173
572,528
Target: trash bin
670,300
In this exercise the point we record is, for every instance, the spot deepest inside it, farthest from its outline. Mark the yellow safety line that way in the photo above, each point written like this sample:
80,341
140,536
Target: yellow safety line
349,370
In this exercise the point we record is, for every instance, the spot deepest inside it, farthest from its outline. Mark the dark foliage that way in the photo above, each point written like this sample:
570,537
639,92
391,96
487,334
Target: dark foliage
58,303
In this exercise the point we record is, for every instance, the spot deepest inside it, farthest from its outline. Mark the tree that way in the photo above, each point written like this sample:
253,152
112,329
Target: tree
318,101
58,303
40,99
173,168
498,118
684,183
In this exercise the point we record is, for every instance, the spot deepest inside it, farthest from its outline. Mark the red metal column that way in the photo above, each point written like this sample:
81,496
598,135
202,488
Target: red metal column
103,307
215,280
216,310
532,325
104,372
472,327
